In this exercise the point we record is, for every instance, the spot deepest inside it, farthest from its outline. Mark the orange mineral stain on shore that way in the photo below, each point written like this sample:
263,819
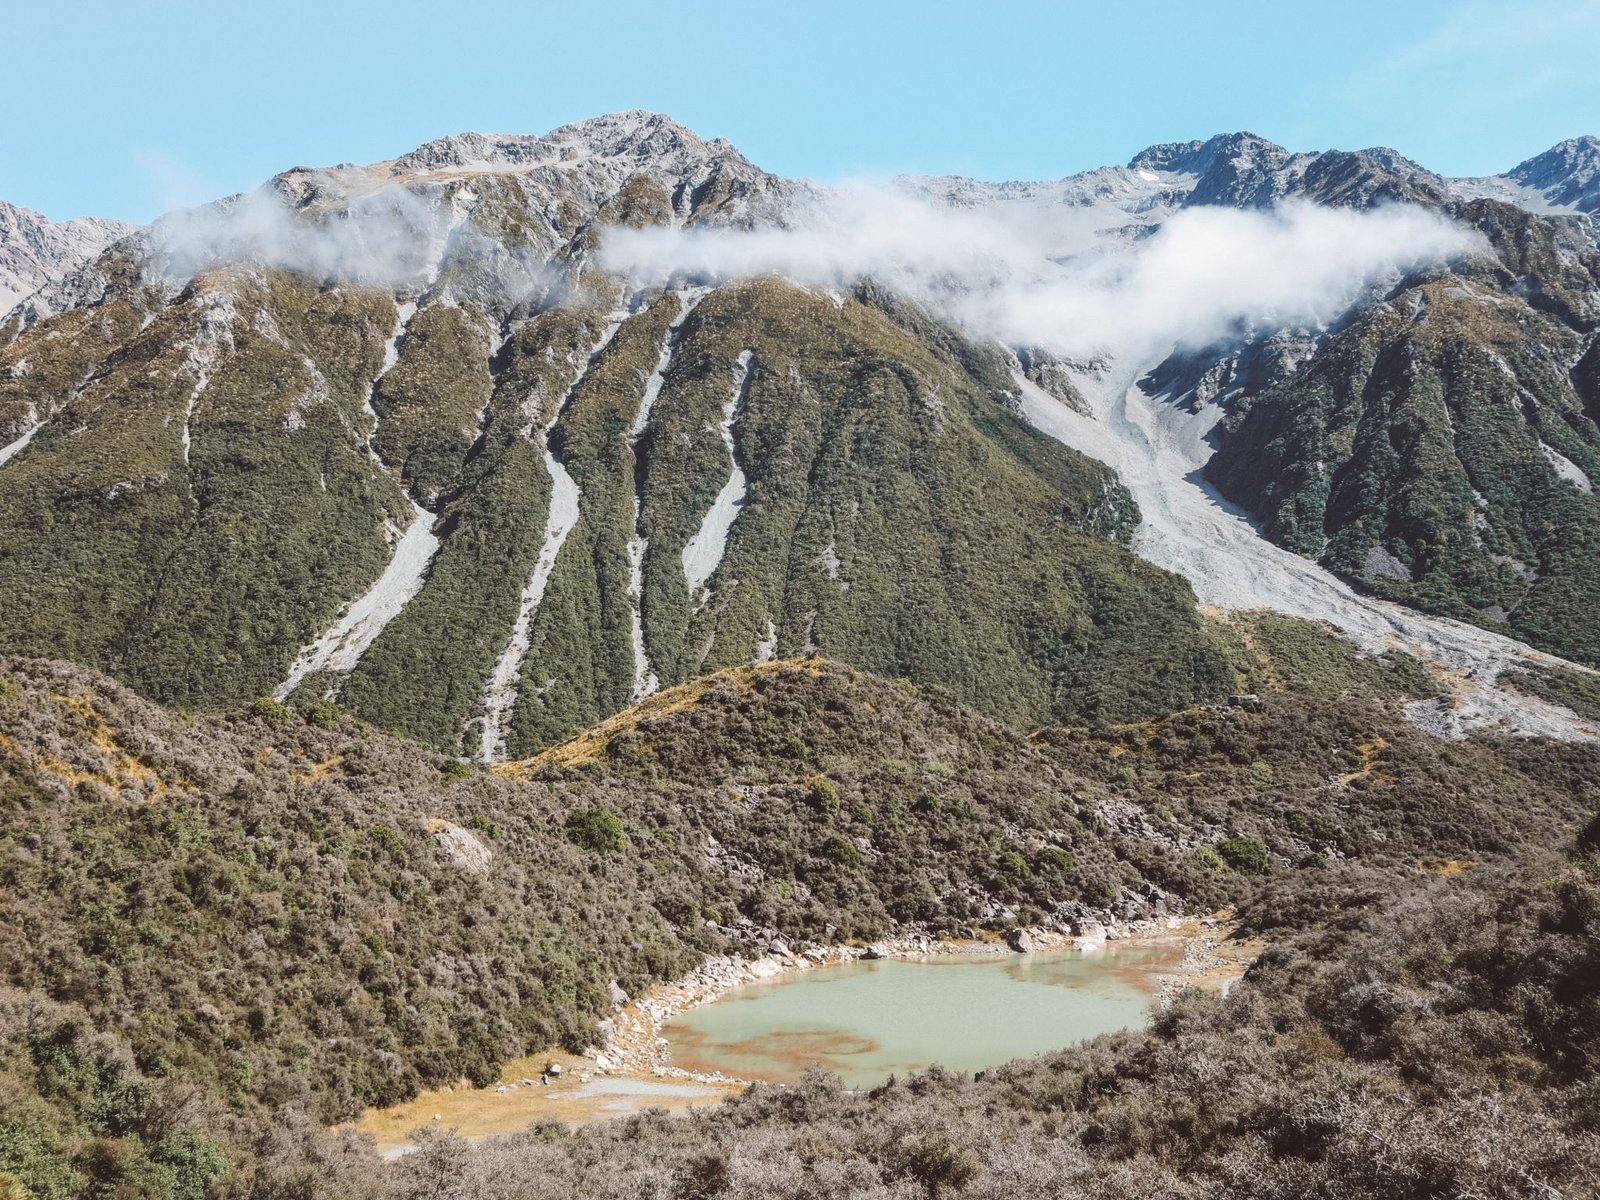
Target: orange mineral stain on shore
576,1097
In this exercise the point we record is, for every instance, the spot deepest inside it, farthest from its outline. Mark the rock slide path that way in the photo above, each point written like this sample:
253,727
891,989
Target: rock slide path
645,682
500,695
703,552
13,448
1160,450
341,647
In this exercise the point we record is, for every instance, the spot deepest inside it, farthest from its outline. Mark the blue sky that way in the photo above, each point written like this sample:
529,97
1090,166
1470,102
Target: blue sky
122,109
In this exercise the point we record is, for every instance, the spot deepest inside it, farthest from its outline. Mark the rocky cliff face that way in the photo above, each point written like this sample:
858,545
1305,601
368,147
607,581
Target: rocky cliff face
35,250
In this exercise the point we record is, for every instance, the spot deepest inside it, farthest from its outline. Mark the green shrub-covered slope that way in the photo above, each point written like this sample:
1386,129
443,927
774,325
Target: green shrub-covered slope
1419,452
217,477
204,920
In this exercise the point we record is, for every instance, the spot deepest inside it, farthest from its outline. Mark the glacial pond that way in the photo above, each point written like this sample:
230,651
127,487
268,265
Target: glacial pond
870,1019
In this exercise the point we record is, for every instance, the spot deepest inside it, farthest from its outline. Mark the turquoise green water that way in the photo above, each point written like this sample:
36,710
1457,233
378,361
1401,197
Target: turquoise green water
868,1020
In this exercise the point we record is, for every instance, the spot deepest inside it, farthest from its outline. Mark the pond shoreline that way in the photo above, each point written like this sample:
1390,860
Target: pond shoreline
1211,960
632,1068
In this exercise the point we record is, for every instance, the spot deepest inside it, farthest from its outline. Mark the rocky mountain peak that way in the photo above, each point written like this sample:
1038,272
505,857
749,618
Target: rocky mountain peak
35,250
1201,157
636,137
1246,170
1566,174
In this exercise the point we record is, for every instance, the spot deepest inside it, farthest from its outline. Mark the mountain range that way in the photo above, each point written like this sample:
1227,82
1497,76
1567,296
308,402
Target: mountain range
445,598
403,435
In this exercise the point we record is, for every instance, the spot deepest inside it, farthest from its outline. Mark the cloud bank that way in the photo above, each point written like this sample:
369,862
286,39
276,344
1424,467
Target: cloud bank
1049,276
392,237
384,238
1045,276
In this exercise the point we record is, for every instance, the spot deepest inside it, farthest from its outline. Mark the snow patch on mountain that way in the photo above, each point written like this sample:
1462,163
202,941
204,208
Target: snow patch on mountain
635,138
1565,178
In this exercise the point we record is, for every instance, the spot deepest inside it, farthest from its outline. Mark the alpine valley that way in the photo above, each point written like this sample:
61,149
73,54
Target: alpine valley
446,598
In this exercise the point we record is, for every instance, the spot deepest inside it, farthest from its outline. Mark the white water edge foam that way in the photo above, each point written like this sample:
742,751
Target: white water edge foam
1159,450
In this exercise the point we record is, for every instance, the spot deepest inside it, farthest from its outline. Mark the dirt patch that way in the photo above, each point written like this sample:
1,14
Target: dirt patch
592,744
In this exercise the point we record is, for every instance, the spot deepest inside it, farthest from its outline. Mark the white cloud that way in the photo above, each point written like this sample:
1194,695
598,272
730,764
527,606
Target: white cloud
391,237
388,237
1044,276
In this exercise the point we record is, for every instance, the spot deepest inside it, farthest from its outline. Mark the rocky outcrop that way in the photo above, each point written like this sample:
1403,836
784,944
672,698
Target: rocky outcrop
35,250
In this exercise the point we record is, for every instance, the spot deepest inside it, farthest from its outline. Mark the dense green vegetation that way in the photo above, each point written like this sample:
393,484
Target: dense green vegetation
197,577
429,404
580,666
1303,658
425,673
1412,452
899,516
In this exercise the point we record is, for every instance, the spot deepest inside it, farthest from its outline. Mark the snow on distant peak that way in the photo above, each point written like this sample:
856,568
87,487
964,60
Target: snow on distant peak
1565,178
1567,174
640,134
1197,157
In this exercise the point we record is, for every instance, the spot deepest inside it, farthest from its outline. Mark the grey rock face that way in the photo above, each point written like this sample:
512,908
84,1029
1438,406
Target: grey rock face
35,250
1567,174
